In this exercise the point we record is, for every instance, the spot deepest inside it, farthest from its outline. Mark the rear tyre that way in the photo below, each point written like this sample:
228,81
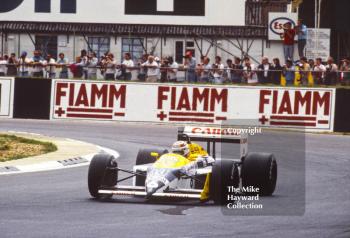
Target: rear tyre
144,157
260,171
223,176
102,172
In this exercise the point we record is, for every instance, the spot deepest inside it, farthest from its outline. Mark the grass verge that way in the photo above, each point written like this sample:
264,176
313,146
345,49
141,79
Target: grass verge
14,147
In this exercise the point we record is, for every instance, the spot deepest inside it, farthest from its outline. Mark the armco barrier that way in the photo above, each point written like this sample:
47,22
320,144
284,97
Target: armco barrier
6,97
300,108
32,98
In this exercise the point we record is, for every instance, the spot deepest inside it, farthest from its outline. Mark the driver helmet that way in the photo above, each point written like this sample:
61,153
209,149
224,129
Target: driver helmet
180,147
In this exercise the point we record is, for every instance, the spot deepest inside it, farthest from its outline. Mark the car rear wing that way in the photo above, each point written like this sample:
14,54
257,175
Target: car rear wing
213,135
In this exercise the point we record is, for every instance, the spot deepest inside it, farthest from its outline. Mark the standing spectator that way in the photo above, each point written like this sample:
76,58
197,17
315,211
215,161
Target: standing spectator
301,30
63,62
142,71
91,65
199,68
50,66
12,65
152,69
249,72
172,71
127,64
289,73
76,68
277,71
218,71
288,41
83,63
190,66
319,71
228,70
38,64
331,72
305,72
3,63
345,68
109,64
205,71
264,75
311,62
23,62
236,72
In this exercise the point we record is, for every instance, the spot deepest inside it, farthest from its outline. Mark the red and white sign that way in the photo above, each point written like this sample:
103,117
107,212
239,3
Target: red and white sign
6,97
303,108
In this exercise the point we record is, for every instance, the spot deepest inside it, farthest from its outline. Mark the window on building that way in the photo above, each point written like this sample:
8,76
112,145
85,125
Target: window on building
47,44
180,50
99,45
134,46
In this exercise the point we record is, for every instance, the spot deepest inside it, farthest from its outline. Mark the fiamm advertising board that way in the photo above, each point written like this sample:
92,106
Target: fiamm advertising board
303,108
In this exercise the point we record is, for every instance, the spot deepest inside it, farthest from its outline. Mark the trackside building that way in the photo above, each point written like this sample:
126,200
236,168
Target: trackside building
159,27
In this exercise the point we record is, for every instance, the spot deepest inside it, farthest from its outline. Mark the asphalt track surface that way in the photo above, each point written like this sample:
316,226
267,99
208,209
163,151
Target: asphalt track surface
57,203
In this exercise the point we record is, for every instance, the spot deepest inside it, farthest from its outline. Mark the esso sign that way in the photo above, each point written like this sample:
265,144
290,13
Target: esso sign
276,22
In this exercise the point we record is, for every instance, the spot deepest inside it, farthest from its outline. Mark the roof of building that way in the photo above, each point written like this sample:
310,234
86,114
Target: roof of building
140,29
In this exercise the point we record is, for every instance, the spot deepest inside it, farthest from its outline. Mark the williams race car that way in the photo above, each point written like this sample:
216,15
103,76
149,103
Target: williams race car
188,171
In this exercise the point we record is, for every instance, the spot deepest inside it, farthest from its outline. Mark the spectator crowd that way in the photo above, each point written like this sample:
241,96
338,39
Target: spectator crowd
150,68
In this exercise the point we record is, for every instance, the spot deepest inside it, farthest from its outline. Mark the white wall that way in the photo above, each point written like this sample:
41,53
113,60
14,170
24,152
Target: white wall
218,12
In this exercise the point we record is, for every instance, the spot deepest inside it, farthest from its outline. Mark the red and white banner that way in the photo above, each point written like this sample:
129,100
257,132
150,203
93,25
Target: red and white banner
304,108
6,97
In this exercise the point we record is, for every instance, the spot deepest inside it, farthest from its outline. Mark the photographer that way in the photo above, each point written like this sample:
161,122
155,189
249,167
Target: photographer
249,72
109,65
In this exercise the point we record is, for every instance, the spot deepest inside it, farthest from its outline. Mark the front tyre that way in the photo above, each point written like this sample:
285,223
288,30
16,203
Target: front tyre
260,171
223,176
102,172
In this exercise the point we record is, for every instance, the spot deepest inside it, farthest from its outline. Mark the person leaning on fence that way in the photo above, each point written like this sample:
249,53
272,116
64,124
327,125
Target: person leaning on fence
345,68
264,71
218,71
205,70
127,64
91,65
236,71
331,74
109,65
277,71
83,63
319,72
62,63
152,69
306,78
50,67
3,63
12,65
249,72
190,66
288,74
288,41
23,65
37,63
172,70
142,71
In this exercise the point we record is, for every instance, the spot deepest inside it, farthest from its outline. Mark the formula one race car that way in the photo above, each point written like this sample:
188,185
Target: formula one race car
188,171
